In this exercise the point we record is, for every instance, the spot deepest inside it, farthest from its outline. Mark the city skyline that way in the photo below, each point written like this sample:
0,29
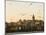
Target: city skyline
23,10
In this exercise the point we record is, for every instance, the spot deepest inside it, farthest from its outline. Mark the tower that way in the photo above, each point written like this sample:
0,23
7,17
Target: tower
33,17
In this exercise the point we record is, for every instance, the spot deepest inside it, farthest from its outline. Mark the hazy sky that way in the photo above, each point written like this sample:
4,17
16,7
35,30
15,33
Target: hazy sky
23,10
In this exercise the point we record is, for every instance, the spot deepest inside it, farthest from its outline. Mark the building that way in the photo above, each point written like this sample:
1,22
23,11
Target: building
26,25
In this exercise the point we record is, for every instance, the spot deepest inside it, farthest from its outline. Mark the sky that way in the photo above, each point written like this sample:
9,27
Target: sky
23,10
